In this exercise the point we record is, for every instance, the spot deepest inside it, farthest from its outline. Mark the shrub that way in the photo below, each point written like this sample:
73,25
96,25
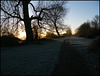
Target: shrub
94,46
50,35
9,40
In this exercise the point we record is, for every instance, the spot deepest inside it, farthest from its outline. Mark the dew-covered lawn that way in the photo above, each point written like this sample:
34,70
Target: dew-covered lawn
34,59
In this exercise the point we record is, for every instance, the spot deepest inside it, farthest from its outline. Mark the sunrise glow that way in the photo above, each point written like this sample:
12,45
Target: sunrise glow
22,35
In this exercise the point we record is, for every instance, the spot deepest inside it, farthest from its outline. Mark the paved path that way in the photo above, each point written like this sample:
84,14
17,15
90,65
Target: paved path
70,62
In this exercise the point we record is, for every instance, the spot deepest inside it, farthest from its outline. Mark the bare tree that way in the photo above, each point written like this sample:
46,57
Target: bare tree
19,10
96,21
68,31
52,17
9,24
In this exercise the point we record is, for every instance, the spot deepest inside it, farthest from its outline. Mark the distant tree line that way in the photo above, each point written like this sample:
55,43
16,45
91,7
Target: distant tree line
89,29
67,30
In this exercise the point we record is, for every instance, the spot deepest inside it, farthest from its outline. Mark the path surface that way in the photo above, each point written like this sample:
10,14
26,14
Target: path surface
90,58
70,62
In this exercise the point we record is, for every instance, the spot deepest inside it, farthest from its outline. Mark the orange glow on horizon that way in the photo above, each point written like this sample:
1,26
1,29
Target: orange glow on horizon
22,35
73,33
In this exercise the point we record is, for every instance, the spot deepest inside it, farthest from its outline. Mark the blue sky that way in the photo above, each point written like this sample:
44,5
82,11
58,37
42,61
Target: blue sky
80,12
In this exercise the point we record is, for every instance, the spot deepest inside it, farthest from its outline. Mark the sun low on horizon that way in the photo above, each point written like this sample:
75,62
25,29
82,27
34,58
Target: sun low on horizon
22,35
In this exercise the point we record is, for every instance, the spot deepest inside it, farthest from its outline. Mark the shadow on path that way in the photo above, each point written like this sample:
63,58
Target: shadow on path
70,62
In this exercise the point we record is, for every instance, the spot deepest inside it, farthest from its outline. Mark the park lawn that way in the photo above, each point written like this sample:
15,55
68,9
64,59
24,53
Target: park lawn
32,59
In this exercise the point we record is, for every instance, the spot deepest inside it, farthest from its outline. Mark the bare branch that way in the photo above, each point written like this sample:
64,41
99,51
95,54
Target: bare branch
33,8
11,14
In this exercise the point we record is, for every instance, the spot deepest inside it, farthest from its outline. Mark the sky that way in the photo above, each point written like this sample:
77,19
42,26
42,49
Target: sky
80,12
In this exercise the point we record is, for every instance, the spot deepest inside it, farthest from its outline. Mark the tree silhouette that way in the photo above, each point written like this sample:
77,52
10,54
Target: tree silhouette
27,21
19,10
95,26
83,29
89,29
96,21
69,32
52,17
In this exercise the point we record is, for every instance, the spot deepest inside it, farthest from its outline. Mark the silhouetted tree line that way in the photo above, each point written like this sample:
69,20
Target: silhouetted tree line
15,12
89,29
68,33
50,35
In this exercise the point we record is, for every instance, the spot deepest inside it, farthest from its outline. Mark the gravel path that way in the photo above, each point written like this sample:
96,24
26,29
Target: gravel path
91,59
71,62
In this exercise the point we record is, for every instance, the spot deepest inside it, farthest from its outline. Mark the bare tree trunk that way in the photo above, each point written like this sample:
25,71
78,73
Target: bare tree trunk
27,22
36,32
56,29
36,35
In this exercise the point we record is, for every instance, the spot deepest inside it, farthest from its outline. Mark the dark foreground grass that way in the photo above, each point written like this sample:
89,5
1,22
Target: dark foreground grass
17,43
